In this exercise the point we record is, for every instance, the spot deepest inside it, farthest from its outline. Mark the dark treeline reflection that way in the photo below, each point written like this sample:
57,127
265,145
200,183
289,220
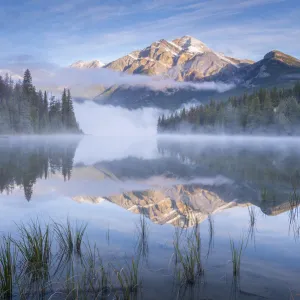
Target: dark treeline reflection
22,162
270,169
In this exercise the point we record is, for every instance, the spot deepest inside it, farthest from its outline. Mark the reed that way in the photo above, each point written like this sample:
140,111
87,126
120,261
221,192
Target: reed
236,255
189,260
142,246
68,239
252,215
252,225
79,233
128,278
211,233
34,247
7,268
96,277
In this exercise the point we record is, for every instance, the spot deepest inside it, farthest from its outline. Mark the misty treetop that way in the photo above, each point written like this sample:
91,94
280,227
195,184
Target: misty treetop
264,111
24,110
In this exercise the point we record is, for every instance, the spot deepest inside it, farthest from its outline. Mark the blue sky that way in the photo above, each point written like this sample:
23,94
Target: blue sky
62,32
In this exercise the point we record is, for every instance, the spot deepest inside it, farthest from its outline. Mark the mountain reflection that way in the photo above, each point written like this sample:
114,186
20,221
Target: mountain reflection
186,181
22,161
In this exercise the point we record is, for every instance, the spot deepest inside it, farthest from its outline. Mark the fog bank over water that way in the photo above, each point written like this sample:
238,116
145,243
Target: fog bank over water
93,149
108,121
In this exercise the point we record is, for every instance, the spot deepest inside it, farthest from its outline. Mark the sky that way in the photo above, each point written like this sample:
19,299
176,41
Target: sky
63,31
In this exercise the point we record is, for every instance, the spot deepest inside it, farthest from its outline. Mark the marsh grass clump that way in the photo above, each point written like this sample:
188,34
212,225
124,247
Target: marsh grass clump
236,255
7,268
34,247
188,265
95,277
79,233
68,239
128,278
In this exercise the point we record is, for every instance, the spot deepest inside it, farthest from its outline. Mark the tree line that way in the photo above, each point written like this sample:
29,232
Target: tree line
264,111
23,163
24,110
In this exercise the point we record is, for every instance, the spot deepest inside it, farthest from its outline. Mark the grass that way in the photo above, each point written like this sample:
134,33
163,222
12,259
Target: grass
211,232
28,265
236,255
252,215
95,276
143,233
34,247
188,260
176,241
252,224
7,268
79,233
128,278
68,239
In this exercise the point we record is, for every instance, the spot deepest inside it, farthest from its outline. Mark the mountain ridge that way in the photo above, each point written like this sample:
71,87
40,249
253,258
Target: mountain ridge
187,59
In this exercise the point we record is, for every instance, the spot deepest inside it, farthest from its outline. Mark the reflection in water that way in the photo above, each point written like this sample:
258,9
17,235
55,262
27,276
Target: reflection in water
270,171
133,205
22,162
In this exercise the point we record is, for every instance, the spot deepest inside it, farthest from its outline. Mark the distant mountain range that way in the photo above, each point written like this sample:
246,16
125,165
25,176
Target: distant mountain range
190,60
80,64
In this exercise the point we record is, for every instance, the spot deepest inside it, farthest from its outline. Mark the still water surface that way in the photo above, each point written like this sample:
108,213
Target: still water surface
174,182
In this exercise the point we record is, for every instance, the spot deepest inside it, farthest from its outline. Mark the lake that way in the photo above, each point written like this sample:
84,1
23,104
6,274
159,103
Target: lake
167,217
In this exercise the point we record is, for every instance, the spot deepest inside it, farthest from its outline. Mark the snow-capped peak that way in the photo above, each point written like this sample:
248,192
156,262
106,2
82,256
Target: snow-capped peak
191,44
87,64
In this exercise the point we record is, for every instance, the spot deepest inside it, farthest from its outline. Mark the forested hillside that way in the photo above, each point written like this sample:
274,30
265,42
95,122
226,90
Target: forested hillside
24,110
265,111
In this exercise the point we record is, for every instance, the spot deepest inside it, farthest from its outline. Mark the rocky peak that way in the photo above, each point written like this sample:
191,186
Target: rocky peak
183,59
280,56
274,54
190,44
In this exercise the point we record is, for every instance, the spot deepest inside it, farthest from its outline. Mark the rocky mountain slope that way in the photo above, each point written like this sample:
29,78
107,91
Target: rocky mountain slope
183,59
189,59
275,67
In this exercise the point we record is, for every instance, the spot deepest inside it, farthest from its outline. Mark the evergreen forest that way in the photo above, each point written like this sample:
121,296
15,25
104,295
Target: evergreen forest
24,110
273,111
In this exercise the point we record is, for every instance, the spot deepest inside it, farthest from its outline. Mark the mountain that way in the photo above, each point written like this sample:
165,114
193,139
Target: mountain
187,59
179,205
275,67
87,64
183,59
